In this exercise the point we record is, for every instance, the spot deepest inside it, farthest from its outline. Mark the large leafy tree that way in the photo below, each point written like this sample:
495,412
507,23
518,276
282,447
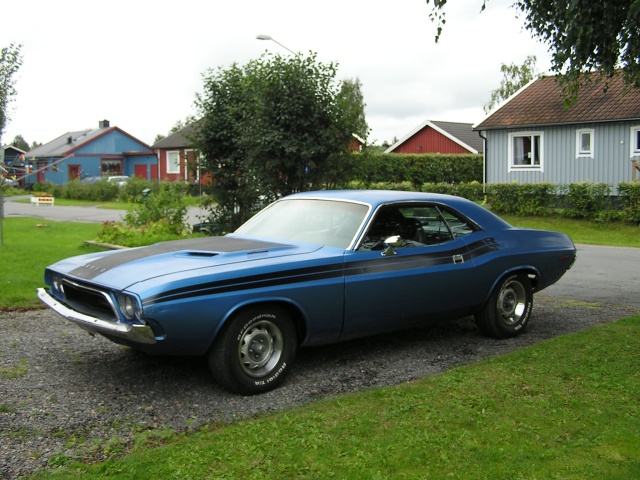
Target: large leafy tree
514,77
272,127
582,35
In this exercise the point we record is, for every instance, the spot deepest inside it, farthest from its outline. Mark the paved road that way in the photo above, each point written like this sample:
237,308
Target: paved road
601,274
90,214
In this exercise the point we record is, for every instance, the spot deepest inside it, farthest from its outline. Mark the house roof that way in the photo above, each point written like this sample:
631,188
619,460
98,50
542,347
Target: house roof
70,141
179,139
541,103
460,133
61,145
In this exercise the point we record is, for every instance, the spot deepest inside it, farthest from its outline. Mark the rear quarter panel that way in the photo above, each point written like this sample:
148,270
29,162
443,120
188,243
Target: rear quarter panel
547,254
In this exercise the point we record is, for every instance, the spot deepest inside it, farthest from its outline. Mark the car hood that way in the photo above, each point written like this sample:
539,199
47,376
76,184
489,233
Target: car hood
122,268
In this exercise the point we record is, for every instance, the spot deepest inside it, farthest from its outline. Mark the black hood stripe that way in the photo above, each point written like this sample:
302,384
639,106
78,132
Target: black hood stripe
300,275
212,245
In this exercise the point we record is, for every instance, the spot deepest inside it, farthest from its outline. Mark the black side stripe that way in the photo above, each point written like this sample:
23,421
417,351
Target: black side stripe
324,272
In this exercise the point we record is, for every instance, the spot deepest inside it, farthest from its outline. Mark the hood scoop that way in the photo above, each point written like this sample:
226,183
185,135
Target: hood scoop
199,254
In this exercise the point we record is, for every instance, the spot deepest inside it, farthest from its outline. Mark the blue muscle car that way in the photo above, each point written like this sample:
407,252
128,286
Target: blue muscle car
310,269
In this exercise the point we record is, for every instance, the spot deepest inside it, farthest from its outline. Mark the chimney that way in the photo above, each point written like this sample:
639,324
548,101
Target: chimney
103,124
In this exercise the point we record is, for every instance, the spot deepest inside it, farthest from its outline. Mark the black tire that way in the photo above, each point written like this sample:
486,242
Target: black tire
254,351
508,309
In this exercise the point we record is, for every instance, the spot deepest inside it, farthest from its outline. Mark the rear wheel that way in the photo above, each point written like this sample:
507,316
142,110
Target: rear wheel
508,309
254,351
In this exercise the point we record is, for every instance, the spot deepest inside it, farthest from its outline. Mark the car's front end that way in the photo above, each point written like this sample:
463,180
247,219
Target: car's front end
116,315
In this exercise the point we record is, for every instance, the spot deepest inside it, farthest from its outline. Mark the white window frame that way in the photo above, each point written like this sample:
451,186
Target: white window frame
635,141
580,152
173,161
526,167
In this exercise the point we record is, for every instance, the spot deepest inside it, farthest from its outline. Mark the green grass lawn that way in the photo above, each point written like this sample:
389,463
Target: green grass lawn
583,231
30,245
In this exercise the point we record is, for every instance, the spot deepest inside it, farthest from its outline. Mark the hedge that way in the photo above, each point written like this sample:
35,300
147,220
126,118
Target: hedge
416,170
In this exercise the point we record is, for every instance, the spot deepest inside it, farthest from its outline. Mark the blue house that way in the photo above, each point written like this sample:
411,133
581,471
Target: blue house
104,151
533,138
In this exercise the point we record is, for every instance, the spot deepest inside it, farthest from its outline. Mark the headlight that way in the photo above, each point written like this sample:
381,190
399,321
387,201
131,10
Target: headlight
128,306
56,281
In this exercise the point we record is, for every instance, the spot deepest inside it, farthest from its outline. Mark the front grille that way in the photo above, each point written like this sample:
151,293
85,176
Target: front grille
89,300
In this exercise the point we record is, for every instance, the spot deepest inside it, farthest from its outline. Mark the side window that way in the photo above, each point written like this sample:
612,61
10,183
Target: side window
584,142
525,151
417,224
173,162
635,141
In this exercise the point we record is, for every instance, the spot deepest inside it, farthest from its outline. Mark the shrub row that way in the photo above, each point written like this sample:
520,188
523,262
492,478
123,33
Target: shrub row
417,170
101,191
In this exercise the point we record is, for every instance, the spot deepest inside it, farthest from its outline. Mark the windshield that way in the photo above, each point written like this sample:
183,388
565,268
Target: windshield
322,222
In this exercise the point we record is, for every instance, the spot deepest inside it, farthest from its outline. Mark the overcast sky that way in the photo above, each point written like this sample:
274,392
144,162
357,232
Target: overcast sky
139,64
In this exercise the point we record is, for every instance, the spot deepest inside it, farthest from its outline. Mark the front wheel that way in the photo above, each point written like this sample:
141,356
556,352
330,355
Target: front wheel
508,309
254,351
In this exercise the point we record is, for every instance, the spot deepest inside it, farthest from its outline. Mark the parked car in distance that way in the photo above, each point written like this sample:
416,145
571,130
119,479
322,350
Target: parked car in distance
120,180
313,268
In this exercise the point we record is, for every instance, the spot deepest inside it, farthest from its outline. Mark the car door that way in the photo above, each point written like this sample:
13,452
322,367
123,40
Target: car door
427,275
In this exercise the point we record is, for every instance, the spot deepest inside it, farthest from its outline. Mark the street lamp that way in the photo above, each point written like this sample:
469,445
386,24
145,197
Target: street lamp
267,37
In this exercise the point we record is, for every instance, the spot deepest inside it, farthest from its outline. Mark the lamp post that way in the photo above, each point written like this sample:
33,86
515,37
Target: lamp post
267,37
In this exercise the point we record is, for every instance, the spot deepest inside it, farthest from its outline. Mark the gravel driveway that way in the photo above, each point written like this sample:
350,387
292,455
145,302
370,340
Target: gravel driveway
64,394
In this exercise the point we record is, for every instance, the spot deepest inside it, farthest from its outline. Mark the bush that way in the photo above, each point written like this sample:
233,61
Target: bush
526,199
128,236
166,203
131,192
472,191
370,169
585,200
630,198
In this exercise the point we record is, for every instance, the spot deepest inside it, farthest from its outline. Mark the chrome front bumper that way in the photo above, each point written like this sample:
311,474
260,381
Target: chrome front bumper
133,333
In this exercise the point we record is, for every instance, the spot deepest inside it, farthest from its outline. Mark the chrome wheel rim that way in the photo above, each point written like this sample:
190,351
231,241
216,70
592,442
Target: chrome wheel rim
260,348
512,302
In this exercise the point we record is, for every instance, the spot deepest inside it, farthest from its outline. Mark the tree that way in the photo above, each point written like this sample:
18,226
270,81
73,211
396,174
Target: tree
275,126
514,77
10,62
584,36
353,105
20,142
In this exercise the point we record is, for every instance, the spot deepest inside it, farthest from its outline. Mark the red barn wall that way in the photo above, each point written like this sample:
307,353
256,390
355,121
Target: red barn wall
429,140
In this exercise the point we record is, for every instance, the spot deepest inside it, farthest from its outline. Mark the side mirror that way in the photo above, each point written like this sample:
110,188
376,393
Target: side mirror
391,243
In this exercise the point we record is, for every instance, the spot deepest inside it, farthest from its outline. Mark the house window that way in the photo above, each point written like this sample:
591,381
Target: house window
111,167
173,162
525,150
635,141
584,143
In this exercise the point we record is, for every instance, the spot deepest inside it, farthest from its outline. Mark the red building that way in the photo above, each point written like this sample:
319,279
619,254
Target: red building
177,159
440,137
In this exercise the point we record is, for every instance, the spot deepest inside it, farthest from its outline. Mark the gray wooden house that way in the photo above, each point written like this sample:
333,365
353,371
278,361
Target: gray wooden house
533,138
